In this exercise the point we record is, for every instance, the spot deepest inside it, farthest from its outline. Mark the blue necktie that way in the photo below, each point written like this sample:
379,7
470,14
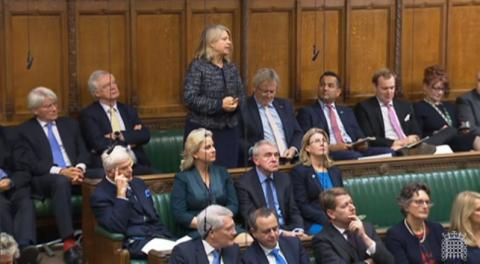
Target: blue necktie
56,150
278,258
270,199
216,257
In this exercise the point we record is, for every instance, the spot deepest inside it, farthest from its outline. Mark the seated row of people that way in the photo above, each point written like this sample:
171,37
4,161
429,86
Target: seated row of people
393,122
122,203
47,157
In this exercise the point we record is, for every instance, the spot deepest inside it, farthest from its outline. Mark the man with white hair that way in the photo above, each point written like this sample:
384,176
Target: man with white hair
106,120
123,204
51,148
216,245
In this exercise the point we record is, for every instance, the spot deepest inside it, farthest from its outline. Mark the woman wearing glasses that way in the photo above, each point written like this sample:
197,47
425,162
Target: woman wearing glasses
415,239
437,117
312,176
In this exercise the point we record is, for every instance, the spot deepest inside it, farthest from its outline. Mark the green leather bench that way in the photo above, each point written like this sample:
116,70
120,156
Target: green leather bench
165,149
375,196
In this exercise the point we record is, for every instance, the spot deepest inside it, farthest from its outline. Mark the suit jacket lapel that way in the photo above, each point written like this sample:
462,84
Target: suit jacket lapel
318,111
200,254
105,121
43,143
377,112
258,190
260,253
123,114
280,108
287,252
312,177
340,241
280,194
252,108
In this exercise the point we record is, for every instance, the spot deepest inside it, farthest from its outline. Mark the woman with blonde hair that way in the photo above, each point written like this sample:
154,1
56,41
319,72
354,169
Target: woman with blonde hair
465,219
200,183
312,176
213,91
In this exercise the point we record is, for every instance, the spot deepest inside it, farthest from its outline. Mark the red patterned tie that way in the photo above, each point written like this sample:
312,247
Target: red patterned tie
335,127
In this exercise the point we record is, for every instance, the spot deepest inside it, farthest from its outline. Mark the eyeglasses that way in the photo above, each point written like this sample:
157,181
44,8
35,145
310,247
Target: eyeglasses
317,140
427,203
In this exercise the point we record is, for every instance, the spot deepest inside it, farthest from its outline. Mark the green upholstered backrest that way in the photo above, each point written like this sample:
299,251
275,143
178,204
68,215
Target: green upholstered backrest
162,206
375,196
44,208
164,150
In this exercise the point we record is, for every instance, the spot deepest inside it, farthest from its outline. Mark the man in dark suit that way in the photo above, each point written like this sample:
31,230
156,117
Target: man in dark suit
51,148
269,246
338,121
265,186
17,216
123,204
216,242
391,121
265,117
468,108
106,121
347,239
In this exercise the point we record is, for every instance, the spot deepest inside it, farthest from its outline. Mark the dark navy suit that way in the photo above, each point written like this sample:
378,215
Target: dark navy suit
405,247
307,188
17,215
291,248
369,116
251,197
313,116
329,246
135,218
34,154
193,252
252,129
96,124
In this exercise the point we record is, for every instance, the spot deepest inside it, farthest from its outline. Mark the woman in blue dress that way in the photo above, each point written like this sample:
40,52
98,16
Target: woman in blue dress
312,176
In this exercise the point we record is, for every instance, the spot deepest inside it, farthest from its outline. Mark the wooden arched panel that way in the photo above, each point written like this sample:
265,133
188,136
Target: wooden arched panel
463,47
423,43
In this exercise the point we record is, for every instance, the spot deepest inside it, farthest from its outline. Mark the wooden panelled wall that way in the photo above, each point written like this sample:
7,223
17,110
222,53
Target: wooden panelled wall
148,44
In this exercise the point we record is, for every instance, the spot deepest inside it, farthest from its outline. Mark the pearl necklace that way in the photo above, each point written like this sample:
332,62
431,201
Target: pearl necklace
413,234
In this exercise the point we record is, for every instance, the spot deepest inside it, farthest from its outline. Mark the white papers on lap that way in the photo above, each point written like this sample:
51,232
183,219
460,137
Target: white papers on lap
162,244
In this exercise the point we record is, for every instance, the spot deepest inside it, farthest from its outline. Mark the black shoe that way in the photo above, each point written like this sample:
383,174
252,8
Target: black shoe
73,256
29,255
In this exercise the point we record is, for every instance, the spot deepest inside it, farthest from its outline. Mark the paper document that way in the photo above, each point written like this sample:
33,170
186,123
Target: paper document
162,244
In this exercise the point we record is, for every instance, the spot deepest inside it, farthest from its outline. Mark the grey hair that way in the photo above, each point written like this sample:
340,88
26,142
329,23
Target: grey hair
92,80
263,75
37,96
112,157
8,246
211,218
256,147
193,143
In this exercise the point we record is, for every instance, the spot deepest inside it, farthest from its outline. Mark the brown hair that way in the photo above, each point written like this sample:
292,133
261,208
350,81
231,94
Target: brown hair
434,74
327,198
385,73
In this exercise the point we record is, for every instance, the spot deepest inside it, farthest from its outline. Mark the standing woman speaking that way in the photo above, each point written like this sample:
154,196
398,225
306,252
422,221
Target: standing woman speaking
213,92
